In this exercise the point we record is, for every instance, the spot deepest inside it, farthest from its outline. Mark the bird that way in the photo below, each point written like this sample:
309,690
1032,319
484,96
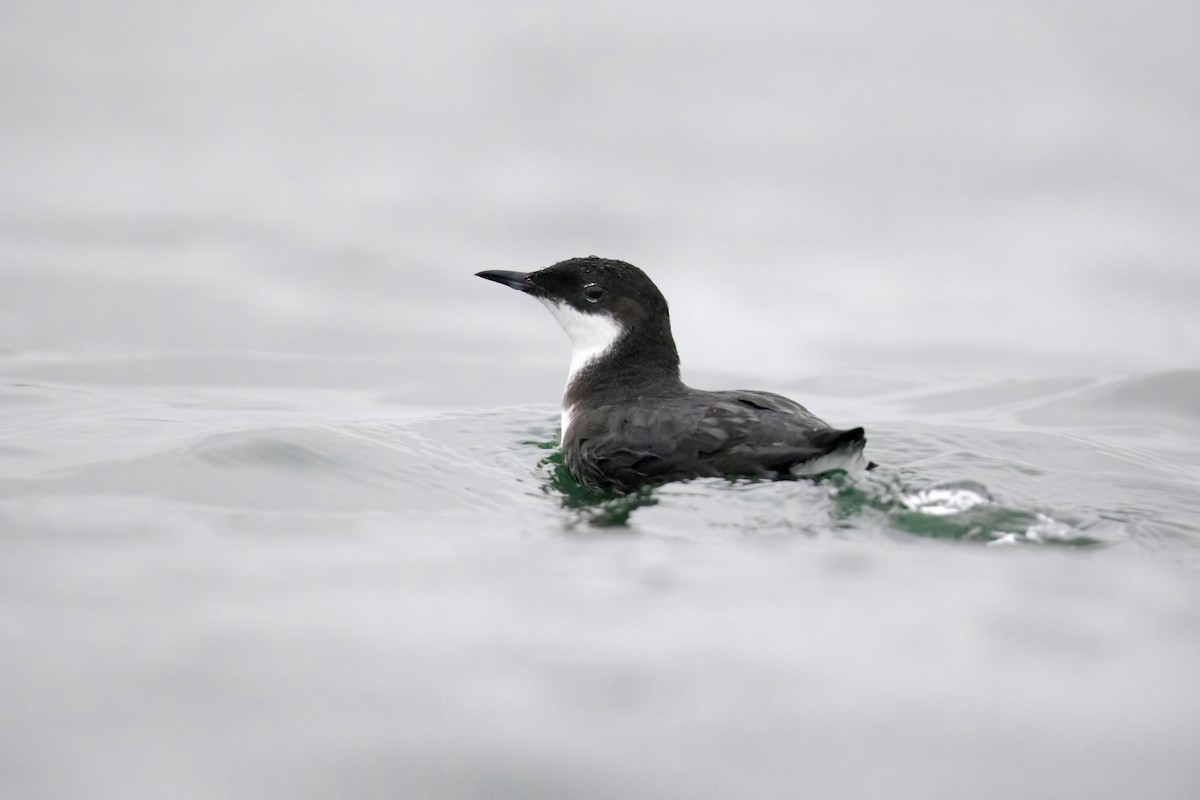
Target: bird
629,421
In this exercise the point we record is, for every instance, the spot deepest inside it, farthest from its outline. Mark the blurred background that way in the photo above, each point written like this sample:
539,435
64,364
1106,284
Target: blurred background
872,186
274,515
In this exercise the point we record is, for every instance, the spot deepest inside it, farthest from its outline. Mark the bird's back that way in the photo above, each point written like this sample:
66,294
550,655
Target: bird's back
694,434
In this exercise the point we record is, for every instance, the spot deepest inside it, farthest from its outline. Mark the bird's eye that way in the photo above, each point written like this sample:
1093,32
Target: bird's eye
593,292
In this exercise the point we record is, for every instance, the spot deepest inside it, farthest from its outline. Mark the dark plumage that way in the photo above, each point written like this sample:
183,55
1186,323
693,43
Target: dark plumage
628,419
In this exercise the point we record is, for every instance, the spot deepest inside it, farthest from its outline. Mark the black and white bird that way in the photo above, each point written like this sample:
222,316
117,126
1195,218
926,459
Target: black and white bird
628,420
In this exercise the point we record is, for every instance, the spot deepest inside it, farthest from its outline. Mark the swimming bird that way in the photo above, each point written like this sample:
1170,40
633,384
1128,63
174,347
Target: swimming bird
629,421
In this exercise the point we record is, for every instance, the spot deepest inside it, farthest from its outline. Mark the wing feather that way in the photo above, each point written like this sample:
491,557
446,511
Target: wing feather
701,434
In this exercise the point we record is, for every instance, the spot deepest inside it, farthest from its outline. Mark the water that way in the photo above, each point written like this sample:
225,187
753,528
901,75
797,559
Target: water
279,508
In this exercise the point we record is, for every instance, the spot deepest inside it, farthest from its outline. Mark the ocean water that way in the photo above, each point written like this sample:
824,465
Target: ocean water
280,510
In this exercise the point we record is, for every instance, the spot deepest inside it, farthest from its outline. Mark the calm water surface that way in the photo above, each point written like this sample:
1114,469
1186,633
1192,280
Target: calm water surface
279,508
286,589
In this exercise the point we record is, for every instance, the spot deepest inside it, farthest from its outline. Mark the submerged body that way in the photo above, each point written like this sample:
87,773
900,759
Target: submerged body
628,419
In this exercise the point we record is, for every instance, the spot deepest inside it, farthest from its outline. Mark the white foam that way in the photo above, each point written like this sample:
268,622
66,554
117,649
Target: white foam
592,335
942,501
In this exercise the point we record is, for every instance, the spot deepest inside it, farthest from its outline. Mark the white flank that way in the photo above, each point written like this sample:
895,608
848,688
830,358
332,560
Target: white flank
567,413
592,335
849,459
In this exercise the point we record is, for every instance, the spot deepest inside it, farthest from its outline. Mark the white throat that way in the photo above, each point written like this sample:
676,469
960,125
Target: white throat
592,335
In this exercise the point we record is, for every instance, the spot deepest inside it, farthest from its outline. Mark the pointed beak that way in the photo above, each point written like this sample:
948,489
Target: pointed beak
513,280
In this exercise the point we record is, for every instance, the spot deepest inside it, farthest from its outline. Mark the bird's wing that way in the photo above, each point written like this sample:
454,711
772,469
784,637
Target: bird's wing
717,434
